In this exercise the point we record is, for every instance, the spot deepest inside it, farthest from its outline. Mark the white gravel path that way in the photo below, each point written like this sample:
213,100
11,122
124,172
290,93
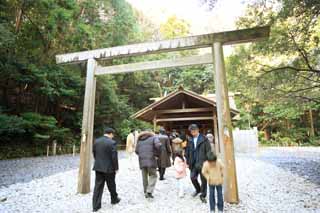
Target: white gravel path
272,180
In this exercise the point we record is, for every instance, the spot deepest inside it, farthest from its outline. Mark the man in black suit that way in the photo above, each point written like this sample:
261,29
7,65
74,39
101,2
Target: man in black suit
106,166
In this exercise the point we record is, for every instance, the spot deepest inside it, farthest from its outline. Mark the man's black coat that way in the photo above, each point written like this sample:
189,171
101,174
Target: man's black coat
197,156
105,155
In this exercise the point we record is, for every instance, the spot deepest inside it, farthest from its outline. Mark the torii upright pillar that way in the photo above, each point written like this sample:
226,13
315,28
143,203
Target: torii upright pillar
225,127
87,129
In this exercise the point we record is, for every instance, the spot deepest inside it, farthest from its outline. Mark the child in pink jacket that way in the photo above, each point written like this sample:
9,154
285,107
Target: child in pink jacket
180,167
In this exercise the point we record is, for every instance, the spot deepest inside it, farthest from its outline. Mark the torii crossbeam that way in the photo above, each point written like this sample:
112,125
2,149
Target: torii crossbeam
213,40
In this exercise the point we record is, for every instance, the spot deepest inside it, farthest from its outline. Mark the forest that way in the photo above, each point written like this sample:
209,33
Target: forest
276,81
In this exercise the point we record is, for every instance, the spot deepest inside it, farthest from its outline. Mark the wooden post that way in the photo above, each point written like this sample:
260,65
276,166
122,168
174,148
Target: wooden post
225,126
48,150
54,148
73,150
183,104
87,129
216,136
155,123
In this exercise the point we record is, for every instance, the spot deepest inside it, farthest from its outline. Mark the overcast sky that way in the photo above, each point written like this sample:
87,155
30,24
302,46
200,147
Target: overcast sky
221,18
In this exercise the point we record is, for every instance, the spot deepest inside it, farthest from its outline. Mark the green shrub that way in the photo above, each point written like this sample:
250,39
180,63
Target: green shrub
45,129
11,127
313,141
29,134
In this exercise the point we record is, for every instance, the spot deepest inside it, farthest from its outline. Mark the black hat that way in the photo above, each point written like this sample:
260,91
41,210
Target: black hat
211,156
193,127
109,130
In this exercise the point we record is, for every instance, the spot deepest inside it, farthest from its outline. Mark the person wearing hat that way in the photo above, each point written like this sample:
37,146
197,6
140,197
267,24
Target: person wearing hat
212,170
106,166
196,154
165,153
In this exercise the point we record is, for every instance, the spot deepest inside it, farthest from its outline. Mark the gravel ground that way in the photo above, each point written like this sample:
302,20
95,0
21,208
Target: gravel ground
271,180
24,170
27,169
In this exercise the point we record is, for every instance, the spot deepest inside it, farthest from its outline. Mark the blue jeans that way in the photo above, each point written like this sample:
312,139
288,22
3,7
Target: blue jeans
212,199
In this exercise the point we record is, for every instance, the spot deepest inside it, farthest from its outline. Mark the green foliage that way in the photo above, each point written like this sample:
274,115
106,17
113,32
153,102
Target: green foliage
291,137
314,141
11,126
34,127
196,78
174,27
277,111
43,101
283,141
277,79
35,121
44,128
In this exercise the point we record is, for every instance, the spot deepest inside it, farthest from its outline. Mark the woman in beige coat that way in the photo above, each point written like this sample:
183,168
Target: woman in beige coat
212,170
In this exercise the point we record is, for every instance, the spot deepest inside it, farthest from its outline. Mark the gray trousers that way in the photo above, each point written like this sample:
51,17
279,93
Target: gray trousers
149,179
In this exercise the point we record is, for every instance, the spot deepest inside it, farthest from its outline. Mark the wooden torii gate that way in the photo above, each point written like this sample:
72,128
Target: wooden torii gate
213,40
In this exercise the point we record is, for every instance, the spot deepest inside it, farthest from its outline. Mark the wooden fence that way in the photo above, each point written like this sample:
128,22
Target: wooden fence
55,149
34,150
246,140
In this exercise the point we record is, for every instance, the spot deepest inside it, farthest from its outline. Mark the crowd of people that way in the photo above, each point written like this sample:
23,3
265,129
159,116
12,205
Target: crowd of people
193,151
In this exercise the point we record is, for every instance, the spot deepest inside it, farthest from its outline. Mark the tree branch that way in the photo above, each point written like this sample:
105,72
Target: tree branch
286,94
45,42
302,52
291,68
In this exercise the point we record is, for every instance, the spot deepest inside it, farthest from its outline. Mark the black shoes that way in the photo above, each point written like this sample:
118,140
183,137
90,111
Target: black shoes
203,199
195,194
149,195
97,209
114,202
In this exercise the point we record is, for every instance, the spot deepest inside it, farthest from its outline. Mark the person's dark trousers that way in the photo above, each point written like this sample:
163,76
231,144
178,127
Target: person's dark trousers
101,178
161,173
194,179
173,156
212,199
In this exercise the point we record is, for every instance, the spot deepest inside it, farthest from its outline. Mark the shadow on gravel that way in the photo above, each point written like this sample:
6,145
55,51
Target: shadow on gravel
304,164
24,170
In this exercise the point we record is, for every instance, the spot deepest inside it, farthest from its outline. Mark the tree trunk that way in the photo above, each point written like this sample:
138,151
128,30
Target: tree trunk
58,113
36,105
18,18
267,134
5,94
311,123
